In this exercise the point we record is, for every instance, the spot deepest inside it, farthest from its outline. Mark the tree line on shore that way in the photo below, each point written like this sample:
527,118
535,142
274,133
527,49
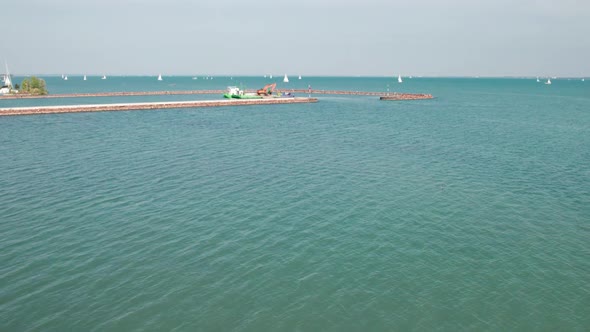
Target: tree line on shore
29,86
32,85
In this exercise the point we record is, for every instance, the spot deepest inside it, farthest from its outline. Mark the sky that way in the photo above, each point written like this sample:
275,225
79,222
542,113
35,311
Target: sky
307,37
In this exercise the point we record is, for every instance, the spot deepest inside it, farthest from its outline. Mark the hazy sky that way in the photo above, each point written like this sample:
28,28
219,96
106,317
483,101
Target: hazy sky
308,37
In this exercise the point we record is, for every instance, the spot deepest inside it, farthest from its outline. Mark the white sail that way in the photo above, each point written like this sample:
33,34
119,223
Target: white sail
65,77
84,78
285,79
538,80
299,76
399,78
548,81
270,75
160,77
104,77
7,80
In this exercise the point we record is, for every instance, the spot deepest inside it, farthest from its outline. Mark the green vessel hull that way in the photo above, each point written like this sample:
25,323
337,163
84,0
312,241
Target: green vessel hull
227,95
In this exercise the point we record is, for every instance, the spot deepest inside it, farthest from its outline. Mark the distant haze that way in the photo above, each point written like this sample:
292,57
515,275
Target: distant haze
308,37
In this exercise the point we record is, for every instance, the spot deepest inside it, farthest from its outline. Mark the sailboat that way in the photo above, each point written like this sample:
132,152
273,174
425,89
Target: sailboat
548,81
84,78
399,78
7,87
159,77
538,80
285,79
104,77
65,77
299,76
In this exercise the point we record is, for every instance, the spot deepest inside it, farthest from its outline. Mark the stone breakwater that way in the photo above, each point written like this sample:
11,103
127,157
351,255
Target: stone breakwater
406,96
390,96
149,106
115,94
383,95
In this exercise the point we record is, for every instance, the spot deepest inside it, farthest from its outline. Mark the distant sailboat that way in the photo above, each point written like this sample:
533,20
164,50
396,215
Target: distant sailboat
160,77
104,77
84,77
285,79
399,78
582,80
299,76
548,81
270,75
65,77
538,80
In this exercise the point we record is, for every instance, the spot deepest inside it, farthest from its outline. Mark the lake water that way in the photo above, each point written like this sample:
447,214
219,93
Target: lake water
470,211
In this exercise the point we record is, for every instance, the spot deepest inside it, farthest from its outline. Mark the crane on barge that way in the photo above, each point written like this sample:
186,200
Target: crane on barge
267,90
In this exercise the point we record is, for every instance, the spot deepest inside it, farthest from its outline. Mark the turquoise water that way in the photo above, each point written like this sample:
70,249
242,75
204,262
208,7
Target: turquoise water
467,212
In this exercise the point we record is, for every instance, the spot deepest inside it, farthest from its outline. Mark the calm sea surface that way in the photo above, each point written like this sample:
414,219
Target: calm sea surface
467,212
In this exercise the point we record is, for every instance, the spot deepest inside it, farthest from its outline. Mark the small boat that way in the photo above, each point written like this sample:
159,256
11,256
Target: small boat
160,77
582,80
538,80
399,78
270,76
104,77
66,78
286,79
299,76
548,81
84,78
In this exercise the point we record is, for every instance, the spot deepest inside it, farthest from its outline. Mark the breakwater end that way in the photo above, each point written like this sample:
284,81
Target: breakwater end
406,96
150,106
